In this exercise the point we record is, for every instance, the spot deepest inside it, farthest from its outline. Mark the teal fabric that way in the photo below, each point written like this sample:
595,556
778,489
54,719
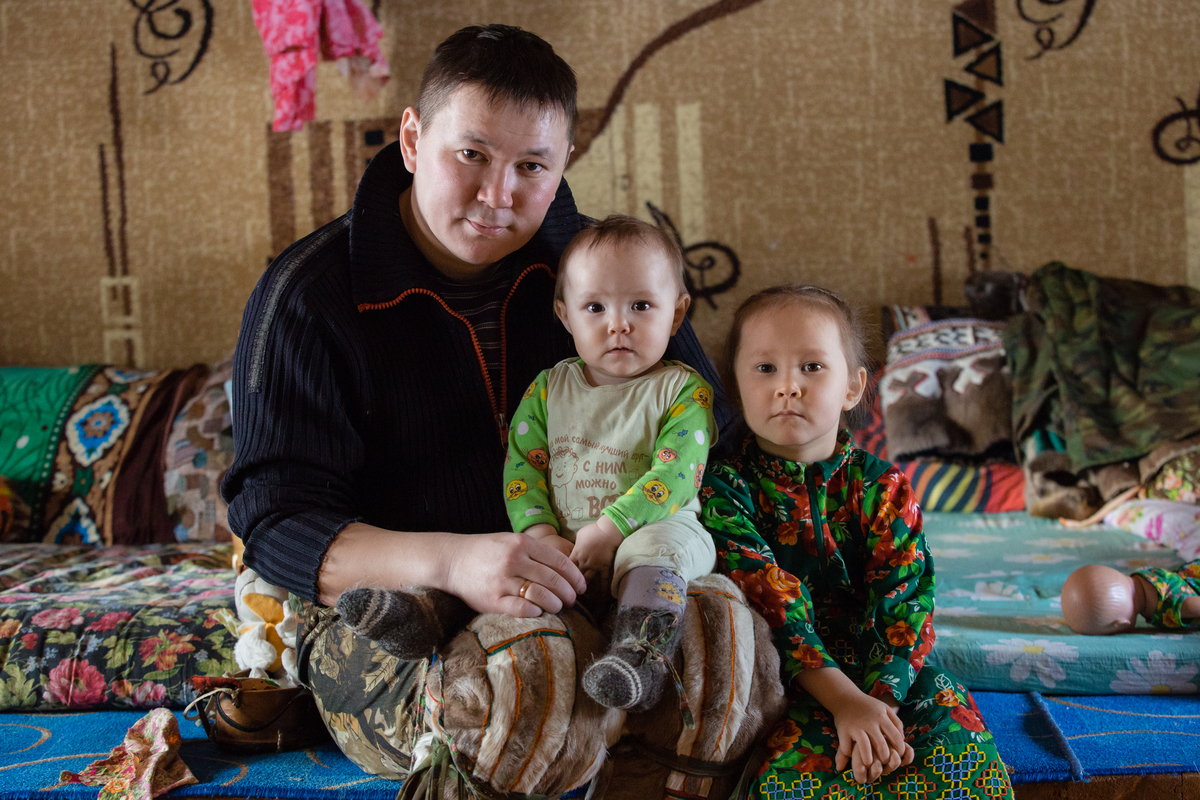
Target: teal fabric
34,403
998,614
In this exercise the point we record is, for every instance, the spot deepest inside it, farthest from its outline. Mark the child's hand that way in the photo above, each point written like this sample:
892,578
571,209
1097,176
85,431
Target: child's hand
595,547
870,738
549,534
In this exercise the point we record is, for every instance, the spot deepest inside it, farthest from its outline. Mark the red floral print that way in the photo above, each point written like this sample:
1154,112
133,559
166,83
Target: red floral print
75,683
57,618
163,650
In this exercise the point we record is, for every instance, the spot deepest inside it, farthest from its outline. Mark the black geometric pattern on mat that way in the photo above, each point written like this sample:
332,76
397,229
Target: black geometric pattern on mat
988,66
165,32
702,259
1053,17
593,121
967,36
959,98
990,121
1173,138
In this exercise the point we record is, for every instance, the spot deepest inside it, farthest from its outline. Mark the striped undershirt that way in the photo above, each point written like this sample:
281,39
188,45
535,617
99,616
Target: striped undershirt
479,302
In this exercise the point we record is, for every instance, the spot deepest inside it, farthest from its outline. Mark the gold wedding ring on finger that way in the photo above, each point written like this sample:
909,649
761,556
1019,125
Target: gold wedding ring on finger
524,588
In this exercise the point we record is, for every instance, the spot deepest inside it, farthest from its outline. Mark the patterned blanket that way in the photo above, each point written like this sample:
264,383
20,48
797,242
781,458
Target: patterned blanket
116,627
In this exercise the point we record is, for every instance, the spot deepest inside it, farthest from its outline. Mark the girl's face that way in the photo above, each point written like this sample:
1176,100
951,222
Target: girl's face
794,381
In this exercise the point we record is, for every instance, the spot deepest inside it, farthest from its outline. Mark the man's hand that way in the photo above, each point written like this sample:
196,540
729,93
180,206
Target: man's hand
595,547
870,737
489,570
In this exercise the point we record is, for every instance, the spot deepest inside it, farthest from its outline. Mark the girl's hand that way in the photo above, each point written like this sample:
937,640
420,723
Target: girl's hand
870,737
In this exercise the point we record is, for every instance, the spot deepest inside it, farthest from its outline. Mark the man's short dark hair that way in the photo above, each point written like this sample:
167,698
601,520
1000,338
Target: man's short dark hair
508,63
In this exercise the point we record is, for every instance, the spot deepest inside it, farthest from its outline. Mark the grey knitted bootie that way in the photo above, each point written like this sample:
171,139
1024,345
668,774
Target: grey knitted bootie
409,624
631,674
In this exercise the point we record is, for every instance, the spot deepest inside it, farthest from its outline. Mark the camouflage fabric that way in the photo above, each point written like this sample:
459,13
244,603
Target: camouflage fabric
1103,369
368,698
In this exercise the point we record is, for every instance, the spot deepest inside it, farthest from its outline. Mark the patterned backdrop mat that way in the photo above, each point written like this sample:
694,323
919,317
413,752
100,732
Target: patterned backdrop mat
1044,738
999,618
35,748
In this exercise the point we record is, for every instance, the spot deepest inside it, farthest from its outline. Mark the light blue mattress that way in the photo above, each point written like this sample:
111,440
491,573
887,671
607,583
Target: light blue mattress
998,616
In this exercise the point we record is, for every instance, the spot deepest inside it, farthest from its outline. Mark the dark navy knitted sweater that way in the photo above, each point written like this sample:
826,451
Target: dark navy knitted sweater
360,396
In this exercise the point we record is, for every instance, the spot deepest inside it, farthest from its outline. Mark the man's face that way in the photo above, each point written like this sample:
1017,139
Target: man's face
622,304
483,177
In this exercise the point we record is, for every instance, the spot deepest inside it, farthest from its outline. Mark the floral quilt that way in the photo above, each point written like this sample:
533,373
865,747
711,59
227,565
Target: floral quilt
115,627
999,618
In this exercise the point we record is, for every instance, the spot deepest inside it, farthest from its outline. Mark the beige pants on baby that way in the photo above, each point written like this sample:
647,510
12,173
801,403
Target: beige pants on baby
678,543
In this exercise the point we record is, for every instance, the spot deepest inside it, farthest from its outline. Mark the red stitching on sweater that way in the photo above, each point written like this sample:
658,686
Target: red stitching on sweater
487,379
504,327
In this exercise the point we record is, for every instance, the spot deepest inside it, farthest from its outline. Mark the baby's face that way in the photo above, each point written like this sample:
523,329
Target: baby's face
622,304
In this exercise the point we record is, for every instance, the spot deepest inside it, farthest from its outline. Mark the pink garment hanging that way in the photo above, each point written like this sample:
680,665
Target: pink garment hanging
295,31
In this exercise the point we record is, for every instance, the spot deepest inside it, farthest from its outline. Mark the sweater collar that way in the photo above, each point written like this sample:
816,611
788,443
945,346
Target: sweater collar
384,260
781,469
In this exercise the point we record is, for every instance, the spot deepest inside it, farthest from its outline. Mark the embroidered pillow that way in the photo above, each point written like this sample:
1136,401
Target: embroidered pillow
946,390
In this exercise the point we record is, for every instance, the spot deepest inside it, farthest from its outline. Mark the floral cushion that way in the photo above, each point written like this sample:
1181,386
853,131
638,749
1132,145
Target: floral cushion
83,446
117,627
1178,480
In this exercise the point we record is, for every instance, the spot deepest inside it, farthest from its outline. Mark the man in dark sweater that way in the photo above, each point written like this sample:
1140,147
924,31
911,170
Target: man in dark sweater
380,359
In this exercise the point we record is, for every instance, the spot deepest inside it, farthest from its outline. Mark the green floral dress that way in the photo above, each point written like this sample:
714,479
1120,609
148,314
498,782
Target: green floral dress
833,556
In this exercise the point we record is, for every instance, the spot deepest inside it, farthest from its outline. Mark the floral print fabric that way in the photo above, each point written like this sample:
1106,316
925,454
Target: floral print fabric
120,627
144,766
832,554
1173,588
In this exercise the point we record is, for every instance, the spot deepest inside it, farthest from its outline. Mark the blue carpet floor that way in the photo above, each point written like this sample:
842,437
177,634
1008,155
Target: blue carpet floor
35,748
1040,739
1045,738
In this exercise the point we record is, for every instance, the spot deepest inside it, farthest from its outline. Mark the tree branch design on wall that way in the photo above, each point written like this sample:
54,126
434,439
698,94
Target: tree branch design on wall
593,121
1052,18
172,33
120,300
1174,139
702,262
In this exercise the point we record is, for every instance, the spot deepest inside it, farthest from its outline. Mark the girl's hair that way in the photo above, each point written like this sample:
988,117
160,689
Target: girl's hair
820,300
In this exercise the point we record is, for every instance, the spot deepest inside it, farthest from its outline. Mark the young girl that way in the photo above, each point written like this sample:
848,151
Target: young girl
826,541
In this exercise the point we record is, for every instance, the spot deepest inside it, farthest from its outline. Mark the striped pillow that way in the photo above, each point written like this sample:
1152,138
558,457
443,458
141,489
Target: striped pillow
947,485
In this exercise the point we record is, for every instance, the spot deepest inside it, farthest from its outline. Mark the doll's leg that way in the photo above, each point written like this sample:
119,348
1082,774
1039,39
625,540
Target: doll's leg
409,624
650,576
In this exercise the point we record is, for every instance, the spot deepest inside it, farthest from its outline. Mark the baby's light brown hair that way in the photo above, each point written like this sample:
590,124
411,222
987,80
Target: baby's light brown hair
616,230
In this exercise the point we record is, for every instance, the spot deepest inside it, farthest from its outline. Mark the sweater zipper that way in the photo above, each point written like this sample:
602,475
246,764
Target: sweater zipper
487,379
504,342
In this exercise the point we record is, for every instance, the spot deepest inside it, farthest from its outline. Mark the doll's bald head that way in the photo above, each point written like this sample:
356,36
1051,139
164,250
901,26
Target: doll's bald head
1098,600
